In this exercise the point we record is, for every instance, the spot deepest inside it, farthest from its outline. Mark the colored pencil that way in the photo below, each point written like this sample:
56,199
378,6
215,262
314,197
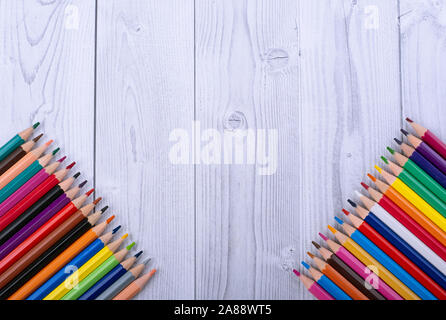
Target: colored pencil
379,239
371,262
419,174
348,273
402,239
431,139
44,230
74,226
50,200
40,191
110,278
326,284
368,275
422,162
135,287
80,274
338,279
413,198
97,274
311,286
416,186
18,154
397,205
133,273
33,183
25,175
16,141
22,164
56,272
426,151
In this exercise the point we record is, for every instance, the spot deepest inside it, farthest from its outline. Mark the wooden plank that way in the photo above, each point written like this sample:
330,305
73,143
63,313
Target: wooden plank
423,67
144,91
47,74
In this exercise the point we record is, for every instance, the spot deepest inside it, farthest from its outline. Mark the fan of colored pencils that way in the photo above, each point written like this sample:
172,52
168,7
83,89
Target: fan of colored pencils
53,246
394,248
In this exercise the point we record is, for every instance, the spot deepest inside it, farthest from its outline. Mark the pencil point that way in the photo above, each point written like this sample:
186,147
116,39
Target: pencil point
398,141
104,209
116,229
306,265
310,254
38,137
323,236
110,219
125,236
333,230
297,273
89,192
138,254
71,165
371,177
82,184
316,244
96,201
146,260
62,159
404,132
345,212
76,175
391,150
130,246
384,159
353,204
35,125
339,220
358,194
409,120
364,186
378,168
49,142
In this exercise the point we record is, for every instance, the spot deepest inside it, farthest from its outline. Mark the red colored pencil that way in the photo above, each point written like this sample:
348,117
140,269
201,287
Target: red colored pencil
431,139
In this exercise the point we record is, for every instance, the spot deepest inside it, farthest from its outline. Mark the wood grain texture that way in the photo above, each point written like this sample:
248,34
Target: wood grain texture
145,90
47,74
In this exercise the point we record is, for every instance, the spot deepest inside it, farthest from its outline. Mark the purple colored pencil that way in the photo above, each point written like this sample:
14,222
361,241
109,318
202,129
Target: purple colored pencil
37,222
426,151
29,186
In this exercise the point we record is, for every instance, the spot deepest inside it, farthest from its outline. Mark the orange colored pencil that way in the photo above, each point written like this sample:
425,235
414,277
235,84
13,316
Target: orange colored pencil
135,287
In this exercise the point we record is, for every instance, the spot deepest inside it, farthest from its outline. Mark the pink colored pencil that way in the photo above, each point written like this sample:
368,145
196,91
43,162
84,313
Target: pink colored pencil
362,270
32,183
315,289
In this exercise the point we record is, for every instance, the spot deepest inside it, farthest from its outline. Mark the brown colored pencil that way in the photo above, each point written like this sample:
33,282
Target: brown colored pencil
18,154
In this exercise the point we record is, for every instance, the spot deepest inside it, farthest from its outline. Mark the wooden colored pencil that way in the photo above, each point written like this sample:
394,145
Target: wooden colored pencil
423,163
75,222
371,262
50,200
110,278
133,273
368,275
44,230
426,151
31,198
392,200
135,287
22,164
71,259
348,273
417,187
379,239
419,174
326,284
311,286
18,154
81,273
402,239
413,198
16,141
427,136
338,279
97,274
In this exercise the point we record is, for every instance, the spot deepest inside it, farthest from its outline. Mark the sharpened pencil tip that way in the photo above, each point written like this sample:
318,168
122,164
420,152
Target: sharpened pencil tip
82,184
147,260
138,254
125,236
35,125
89,192
38,137
358,194
316,244
297,273
333,230
306,265
130,246
62,159
365,186
56,151
323,236
116,229
104,209
339,220
310,254
345,212
409,120
398,141
76,175
49,142
404,132
391,150
371,177
384,159
97,200
110,219
71,165
353,204
378,168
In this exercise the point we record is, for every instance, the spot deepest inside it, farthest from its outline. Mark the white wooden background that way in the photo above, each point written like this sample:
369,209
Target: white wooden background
110,79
